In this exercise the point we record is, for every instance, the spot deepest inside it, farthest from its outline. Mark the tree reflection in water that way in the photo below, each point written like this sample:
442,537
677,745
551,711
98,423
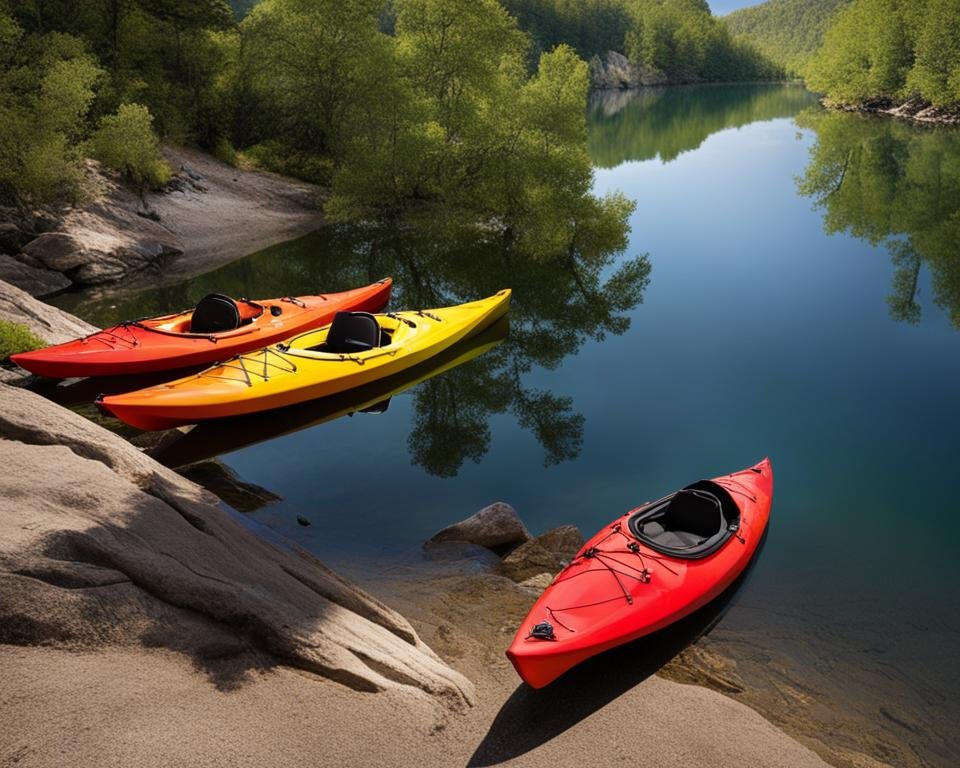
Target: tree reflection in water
558,304
895,184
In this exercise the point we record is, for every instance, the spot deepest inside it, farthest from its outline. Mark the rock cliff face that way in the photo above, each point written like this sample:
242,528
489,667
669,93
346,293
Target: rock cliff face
100,546
616,72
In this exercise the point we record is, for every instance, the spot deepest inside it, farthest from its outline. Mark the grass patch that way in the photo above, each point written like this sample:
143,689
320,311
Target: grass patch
16,338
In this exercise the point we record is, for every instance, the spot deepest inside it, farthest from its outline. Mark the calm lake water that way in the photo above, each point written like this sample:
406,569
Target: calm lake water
803,303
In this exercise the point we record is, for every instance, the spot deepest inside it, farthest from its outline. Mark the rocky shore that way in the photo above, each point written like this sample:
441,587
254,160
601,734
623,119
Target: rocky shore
210,213
914,108
141,623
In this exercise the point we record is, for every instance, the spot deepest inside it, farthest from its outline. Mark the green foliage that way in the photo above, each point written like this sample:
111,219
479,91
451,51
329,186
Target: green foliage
788,32
683,42
936,71
16,338
46,88
126,142
591,27
893,184
888,49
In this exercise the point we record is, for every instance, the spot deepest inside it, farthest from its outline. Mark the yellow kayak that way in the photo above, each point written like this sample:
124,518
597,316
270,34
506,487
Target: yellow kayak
213,438
354,350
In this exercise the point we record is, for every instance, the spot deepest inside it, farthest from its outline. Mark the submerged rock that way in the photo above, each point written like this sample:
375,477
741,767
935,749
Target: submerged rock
546,554
219,479
497,527
102,546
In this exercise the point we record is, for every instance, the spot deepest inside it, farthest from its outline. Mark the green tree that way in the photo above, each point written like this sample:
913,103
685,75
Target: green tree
47,85
126,142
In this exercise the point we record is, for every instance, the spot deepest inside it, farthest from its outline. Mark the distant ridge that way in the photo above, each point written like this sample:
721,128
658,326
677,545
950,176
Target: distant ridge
786,31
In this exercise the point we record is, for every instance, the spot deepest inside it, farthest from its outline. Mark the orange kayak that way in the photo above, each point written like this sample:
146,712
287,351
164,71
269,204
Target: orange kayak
218,328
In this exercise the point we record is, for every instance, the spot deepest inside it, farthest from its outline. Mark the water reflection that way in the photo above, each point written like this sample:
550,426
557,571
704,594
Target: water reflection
894,184
558,304
664,122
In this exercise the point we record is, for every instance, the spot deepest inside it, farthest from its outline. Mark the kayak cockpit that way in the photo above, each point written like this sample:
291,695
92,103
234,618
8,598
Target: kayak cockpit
214,313
353,335
692,523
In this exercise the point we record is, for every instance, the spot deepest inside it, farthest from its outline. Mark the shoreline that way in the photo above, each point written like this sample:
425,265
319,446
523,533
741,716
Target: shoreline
210,214
240,212
914,109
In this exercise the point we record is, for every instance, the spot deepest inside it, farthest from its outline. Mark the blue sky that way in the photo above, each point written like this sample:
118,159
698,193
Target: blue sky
720,7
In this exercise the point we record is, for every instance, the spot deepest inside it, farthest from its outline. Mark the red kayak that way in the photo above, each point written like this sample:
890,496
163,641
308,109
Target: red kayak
215,330
653,566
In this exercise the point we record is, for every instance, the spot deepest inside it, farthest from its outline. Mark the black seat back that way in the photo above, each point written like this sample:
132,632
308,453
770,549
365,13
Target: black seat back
695,511
215,313
352,332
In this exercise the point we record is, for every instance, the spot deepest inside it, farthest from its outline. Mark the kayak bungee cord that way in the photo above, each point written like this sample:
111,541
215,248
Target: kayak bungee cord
643,574
289,367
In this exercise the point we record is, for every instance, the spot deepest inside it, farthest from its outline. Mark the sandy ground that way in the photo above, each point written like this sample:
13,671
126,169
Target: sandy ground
239,212
153,707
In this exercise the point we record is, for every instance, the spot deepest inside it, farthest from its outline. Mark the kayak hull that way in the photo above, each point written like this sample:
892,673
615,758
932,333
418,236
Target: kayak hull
291,373
586,604
158,344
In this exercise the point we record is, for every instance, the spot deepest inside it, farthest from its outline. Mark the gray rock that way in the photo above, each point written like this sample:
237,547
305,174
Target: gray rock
536,584
36,281
100,546
564,541
547,553
219,479
49,323
497,527
12,237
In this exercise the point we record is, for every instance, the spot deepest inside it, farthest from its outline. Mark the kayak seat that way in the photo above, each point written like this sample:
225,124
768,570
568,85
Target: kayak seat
351,332
694,522
215,313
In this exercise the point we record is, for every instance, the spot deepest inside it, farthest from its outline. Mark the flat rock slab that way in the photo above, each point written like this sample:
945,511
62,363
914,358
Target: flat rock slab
101,546
49,323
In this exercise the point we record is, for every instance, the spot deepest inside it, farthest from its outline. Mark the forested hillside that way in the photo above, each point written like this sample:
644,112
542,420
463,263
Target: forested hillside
891,49
684,41
786,31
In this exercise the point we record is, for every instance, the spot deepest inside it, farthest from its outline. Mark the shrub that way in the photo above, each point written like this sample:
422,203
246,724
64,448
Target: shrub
127,143
16,338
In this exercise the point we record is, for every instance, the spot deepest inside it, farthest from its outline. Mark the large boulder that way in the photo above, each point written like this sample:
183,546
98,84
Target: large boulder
101,546
102,242
219,479
37,281
497,527
547,553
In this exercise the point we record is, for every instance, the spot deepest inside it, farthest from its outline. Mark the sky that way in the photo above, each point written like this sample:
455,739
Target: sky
720,7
